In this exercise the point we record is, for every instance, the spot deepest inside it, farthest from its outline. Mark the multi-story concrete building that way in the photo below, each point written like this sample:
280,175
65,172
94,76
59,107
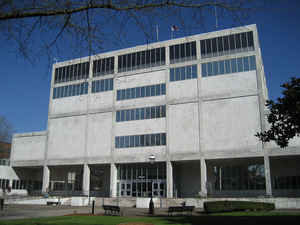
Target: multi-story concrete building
175,118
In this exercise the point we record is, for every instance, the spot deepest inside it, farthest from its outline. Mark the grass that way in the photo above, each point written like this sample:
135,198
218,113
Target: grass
241,218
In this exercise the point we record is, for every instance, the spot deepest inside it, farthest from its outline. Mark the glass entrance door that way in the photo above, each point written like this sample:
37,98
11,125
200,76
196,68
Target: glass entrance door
141,180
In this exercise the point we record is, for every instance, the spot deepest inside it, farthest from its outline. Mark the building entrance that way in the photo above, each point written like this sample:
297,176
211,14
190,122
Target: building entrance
141,180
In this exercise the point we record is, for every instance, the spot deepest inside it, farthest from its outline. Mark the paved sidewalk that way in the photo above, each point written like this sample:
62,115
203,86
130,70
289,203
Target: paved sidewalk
35,211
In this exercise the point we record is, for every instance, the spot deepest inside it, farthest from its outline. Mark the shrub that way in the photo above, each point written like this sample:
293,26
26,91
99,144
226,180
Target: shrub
229,206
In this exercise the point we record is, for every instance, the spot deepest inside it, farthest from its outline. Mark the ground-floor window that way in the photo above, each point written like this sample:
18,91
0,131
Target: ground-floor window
141,180
286,182
239,177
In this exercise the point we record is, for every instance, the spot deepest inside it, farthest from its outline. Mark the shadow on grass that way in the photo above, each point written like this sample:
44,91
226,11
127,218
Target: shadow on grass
230,220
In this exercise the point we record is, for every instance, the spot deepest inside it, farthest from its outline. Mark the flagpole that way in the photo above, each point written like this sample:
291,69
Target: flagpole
156,32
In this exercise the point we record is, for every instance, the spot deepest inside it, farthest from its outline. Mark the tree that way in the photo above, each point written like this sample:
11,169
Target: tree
6,130
284,116
38,27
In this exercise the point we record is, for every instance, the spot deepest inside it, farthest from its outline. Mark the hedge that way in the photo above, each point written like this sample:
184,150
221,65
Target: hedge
229,206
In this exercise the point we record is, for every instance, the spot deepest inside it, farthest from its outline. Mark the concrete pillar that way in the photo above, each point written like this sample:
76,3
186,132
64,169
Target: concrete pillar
46,179
113,180
86,179
203,170
169,179
268,176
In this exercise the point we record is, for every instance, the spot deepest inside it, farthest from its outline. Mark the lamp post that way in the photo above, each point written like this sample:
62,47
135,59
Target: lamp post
151,204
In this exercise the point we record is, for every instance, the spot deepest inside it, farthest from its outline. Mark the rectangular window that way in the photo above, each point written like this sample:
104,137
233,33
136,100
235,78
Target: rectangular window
240,65
229,66
136,140
137,114
142,140
172,74
163,89
246,63
117,144
252,63
203,68
152,109
118,116
122,115
131,140
209,69
182,52
147,91
126,141
148,113
142,110
127,115
233,65
152,90
182,73
132,112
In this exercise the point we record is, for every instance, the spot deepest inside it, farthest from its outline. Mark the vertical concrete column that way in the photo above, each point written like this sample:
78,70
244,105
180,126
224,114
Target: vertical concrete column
268,176
86,179
113,180
169,179
203,177
46,179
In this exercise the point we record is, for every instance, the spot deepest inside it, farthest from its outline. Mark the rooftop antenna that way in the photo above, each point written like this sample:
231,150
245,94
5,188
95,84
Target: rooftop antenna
216,14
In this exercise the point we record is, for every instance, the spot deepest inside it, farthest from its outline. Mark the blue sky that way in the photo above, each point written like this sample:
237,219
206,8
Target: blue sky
24,86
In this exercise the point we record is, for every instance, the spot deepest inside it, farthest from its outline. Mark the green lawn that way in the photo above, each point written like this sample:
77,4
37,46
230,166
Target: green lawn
240,218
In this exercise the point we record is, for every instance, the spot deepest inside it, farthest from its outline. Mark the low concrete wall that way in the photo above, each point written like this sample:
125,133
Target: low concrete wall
280,203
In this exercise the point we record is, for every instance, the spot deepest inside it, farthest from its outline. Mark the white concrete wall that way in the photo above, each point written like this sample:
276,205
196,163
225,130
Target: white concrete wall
7,172
66,137
72,104
230,124
148,126
99,134
183,130
101,100
28,147
141,79
182,90
229,85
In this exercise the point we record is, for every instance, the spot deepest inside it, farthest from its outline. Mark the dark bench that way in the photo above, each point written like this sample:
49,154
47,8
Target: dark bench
111,209
53,203
181,209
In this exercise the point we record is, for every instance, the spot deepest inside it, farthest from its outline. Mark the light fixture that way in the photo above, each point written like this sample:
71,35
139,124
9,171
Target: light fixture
152,158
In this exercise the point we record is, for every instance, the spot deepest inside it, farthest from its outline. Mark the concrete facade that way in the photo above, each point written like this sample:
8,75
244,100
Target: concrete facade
208,119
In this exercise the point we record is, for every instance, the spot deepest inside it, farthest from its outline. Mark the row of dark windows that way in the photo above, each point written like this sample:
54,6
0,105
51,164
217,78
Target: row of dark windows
72,72
141,92
141,113
27,184
143,140
227,44
103,66
183,52
286,182
70,90
156,57
102,85
143,59
4,183
234,65
183,73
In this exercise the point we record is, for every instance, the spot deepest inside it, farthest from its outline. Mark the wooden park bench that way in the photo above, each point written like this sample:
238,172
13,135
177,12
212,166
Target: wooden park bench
181,209
53,203
111,209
